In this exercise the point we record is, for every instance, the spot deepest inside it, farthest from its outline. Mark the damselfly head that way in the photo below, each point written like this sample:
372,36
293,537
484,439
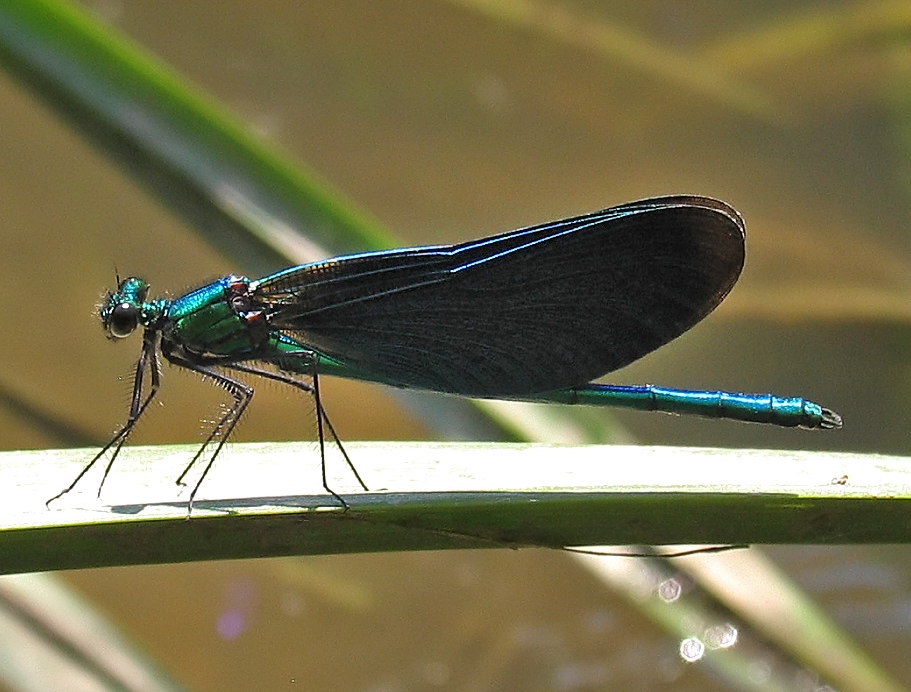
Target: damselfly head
121,311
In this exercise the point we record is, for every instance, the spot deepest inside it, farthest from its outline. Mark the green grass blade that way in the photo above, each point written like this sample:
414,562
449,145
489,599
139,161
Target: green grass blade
248,200
259,209
208,167
443,496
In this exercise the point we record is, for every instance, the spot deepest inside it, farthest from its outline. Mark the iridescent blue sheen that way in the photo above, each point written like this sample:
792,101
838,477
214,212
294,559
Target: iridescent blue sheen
534,314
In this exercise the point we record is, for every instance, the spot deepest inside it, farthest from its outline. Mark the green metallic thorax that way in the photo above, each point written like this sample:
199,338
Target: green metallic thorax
220,320
216,320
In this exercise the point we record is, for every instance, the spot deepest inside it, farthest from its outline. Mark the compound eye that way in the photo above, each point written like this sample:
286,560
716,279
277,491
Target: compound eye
123,320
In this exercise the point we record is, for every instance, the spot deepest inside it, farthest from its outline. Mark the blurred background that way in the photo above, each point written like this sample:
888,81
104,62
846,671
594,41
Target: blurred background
450,120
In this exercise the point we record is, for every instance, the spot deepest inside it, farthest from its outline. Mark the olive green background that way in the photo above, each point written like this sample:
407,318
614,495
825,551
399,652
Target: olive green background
448,121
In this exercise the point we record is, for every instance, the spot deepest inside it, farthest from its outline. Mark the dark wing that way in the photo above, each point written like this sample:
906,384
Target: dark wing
529,311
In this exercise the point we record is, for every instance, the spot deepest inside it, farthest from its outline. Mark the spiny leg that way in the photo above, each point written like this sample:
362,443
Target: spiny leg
320,414
241,393
148,358
321,417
